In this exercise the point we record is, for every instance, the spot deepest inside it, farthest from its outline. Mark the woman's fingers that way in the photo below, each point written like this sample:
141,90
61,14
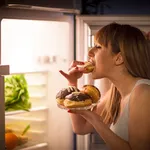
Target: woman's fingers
70,72
73,73
75,63
87,114
81,112
64,74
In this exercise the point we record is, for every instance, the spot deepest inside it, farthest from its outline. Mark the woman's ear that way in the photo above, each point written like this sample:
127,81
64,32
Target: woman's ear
118,59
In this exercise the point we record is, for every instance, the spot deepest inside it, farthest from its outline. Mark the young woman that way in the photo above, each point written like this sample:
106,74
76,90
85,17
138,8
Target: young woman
122,118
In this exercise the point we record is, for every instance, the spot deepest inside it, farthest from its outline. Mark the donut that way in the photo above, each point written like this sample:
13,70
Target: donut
77,99
60,96
92,91
88,66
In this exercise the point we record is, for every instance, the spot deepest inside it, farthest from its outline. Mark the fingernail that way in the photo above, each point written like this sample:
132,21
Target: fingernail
69,111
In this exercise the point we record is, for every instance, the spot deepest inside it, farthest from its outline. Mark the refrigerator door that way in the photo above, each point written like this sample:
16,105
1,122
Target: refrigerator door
4,70
38,41
25,31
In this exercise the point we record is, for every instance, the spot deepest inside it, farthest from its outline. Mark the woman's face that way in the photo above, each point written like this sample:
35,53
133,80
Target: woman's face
102,58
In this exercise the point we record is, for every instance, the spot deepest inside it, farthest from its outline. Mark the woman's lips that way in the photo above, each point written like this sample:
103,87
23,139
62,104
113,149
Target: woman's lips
92,62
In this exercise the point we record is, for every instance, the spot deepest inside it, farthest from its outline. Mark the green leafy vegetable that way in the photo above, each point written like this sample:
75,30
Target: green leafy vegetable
25,130
16,93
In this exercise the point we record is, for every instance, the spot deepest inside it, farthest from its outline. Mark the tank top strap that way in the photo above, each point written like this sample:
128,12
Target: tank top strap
141,81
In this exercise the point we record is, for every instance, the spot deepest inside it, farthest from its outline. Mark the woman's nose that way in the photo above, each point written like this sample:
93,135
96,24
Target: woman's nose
90,53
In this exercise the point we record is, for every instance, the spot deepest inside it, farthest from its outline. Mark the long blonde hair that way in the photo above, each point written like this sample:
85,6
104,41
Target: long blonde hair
135,50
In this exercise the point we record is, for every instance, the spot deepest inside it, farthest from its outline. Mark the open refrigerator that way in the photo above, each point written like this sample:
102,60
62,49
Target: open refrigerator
36,44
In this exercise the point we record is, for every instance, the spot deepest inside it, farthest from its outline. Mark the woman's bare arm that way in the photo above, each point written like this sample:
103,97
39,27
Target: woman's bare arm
80,125
139,119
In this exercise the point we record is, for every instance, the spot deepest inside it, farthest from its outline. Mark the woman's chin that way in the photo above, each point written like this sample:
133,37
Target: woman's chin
96,76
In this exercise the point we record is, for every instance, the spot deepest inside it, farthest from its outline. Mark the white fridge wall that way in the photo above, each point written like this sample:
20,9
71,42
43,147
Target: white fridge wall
23,41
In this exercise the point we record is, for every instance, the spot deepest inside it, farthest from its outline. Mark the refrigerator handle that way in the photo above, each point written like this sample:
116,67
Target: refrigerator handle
4,70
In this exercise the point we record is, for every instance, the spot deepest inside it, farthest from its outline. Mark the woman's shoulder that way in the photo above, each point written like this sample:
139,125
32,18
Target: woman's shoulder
139,111
142,85
143,81
141,92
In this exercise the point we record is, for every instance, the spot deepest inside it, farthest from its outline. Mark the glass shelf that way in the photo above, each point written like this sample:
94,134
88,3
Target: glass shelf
22,111
41,146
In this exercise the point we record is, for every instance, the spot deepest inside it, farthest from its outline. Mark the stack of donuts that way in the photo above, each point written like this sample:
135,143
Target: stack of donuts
72,97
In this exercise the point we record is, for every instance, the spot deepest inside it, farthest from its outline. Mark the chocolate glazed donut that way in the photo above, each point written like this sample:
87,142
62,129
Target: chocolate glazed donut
60,96
77,99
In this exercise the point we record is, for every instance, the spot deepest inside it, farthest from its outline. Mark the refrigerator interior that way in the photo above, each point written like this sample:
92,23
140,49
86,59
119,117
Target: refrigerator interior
38,49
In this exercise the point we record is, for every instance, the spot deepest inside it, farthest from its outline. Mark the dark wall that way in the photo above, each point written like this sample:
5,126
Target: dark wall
115,6
93,6
68,4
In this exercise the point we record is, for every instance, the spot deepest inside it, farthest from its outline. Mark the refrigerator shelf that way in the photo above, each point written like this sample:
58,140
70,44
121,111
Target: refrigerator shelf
37,84
31,72
30,132
22,111
41,146
12,117
37,95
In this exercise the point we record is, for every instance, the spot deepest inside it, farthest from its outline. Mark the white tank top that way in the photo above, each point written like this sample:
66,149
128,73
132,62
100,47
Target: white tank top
121,126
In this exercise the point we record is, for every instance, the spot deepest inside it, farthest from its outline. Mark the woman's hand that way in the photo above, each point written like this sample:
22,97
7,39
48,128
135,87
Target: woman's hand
93,118
74,73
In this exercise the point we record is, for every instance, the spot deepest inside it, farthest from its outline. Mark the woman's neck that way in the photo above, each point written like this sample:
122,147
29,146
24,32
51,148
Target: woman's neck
125,84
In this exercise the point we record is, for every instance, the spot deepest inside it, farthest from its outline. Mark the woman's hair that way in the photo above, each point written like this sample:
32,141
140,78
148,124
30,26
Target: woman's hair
135,50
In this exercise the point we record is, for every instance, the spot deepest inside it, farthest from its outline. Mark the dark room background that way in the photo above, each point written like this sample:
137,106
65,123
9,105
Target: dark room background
116,7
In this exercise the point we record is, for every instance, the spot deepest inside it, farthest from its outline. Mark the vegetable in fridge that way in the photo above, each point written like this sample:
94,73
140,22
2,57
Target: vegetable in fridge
16,93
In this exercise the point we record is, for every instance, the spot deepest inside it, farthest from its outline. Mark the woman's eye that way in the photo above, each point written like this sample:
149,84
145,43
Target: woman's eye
97,46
